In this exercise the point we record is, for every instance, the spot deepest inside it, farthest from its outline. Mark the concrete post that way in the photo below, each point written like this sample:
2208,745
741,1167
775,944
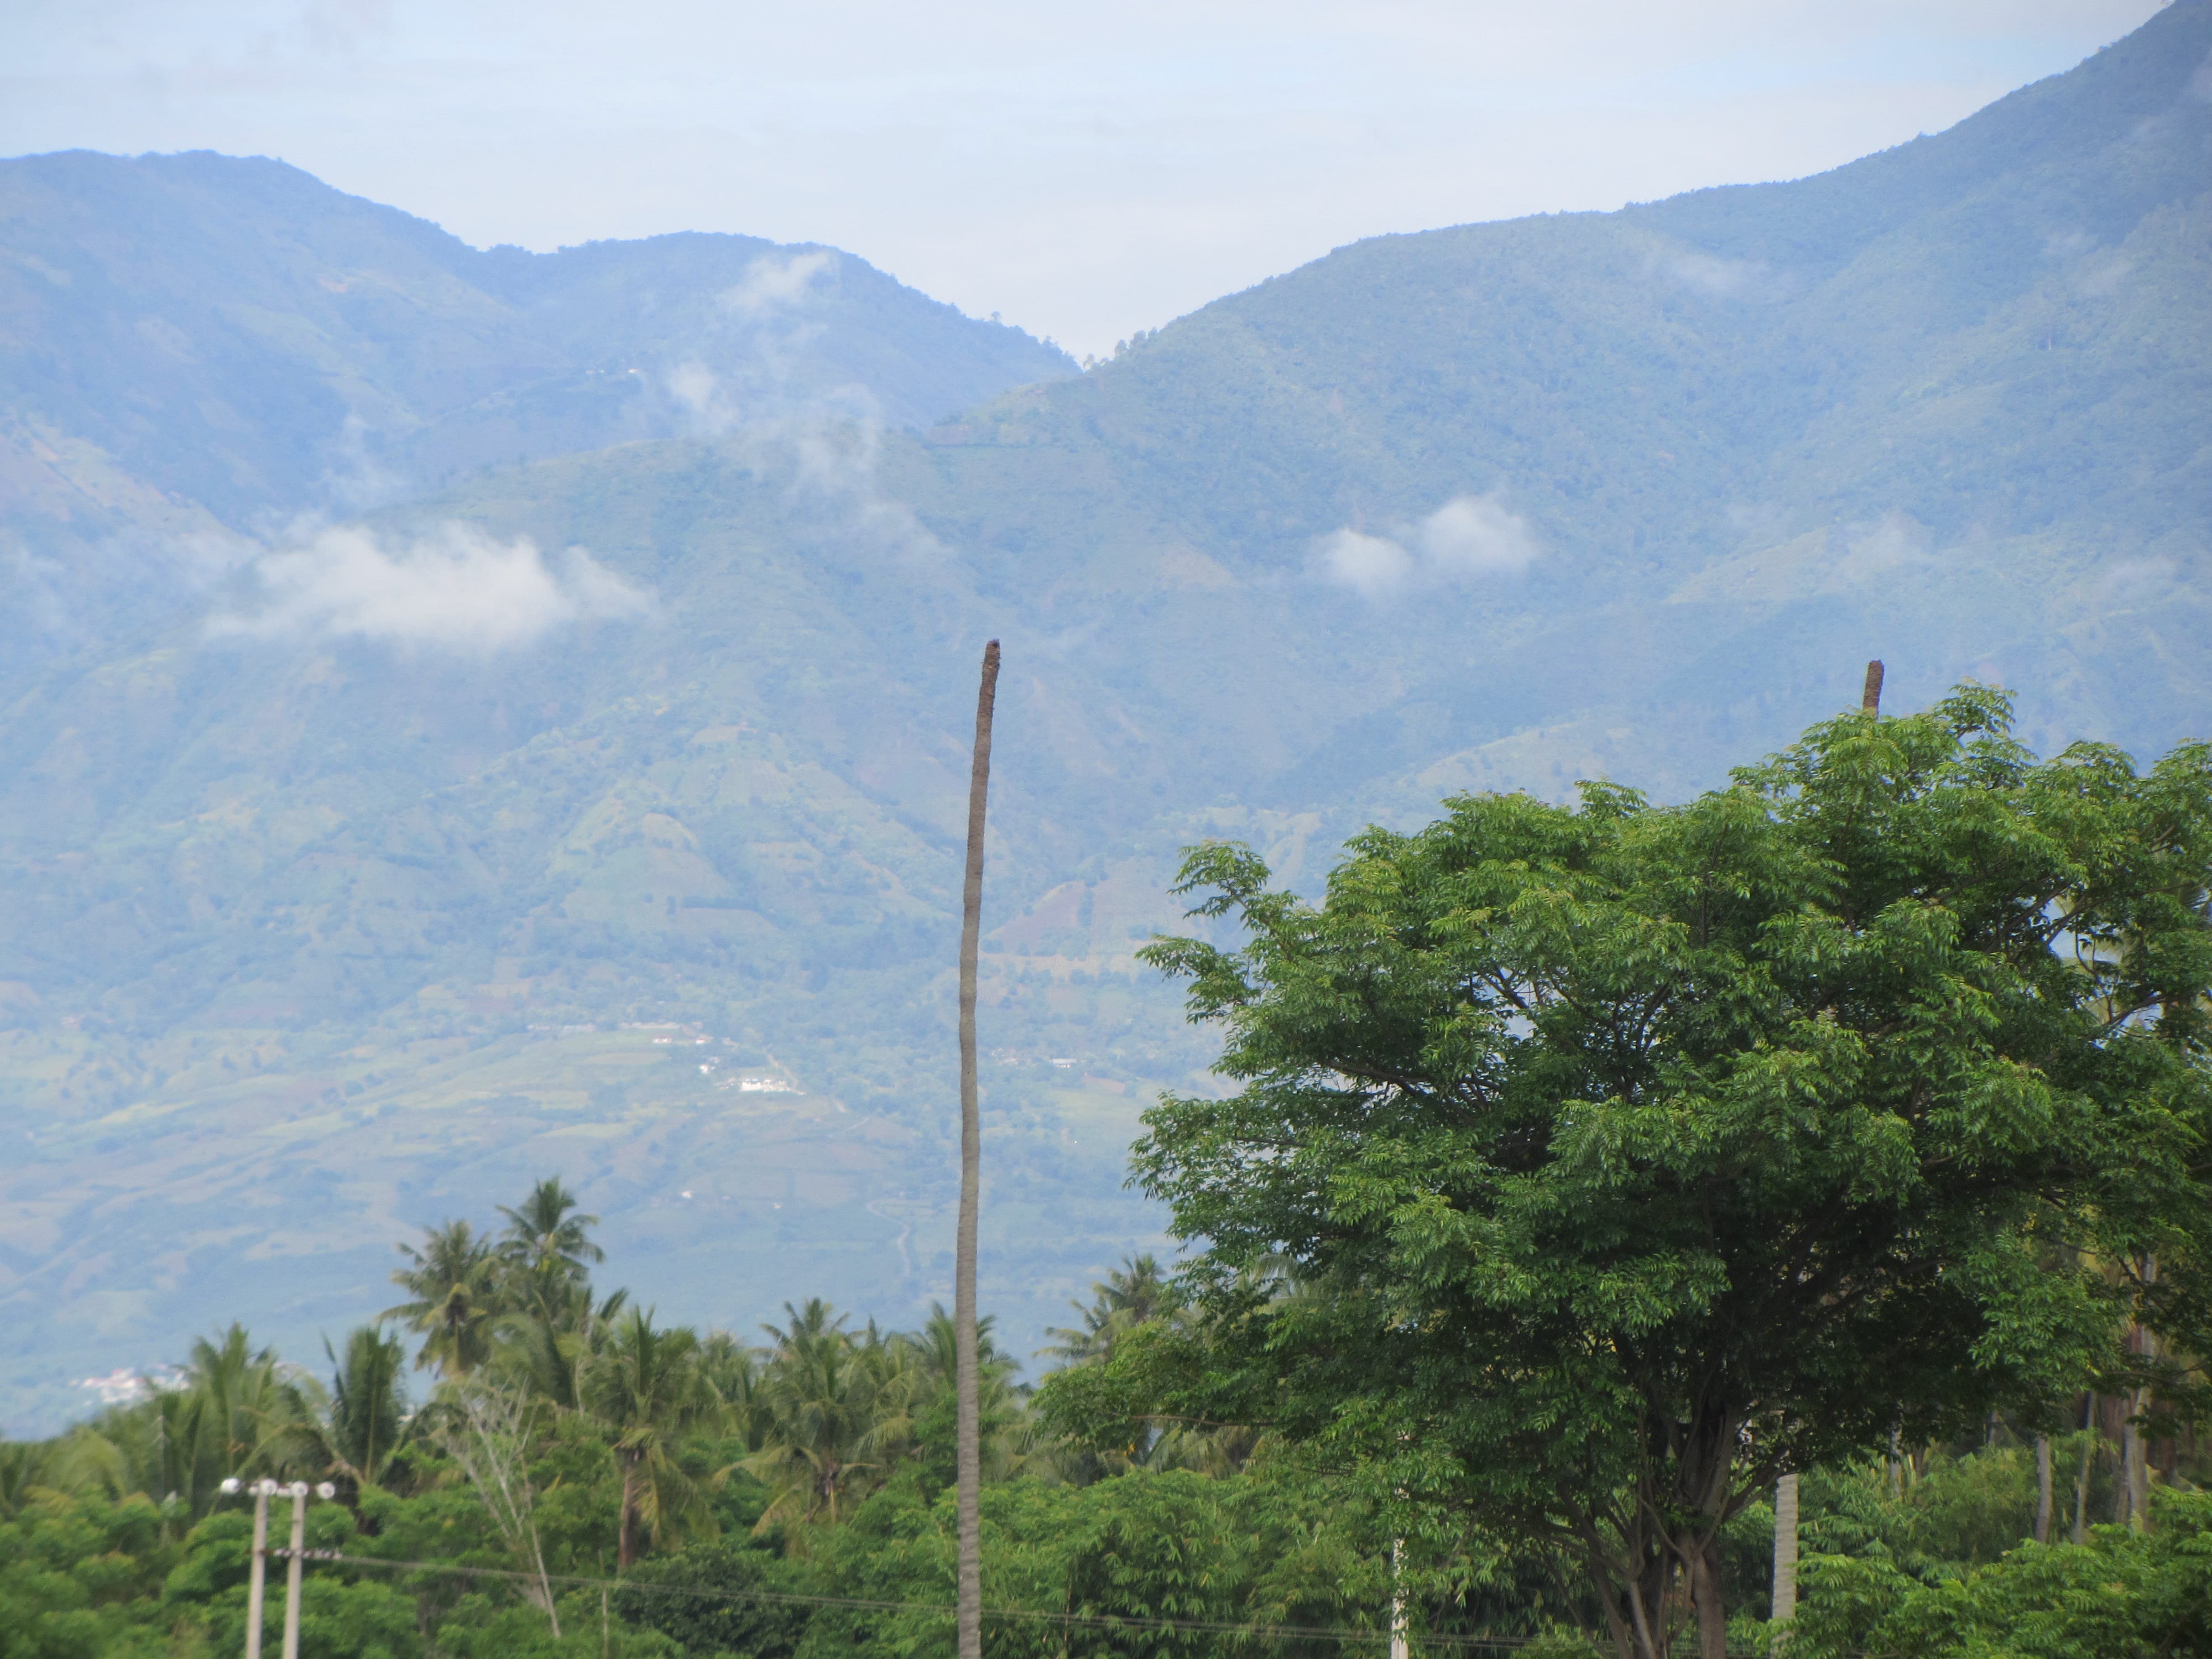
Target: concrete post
256,1582
1785,1549
292,1568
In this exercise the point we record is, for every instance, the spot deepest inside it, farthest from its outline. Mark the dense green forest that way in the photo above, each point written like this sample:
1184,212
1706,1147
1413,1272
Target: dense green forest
792,1495
1588,1170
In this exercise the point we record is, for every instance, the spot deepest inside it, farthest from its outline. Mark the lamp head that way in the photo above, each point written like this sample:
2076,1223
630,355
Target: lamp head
327,1490
230,1487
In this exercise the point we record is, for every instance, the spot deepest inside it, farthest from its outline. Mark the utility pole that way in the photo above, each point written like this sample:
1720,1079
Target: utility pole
1785,1550
292,1566
1401,1647
295,1557
256,1573
968,1451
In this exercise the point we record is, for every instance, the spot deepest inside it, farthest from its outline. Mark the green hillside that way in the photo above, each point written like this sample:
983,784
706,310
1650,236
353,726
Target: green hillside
301,927
196,348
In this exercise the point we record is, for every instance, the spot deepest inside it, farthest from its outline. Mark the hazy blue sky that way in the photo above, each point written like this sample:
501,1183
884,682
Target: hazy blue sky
1087,171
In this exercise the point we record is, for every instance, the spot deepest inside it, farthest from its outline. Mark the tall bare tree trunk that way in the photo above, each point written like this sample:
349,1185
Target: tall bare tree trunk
970,1455
2043,1489
2081,1532
2135,1449
1784,1607
1870,699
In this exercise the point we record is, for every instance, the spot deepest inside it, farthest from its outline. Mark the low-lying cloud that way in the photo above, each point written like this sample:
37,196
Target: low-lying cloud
743,370
1468,538
455,589
775,281
1718,278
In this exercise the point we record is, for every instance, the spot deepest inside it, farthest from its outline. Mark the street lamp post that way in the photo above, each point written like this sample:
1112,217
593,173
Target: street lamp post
262,1491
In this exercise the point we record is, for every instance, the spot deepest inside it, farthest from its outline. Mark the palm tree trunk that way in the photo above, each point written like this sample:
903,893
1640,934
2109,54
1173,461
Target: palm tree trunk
629,1542
969,1481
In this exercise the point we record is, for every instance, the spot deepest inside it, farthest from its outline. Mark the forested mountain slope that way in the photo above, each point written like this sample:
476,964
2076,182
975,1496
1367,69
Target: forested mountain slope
195,347
308,896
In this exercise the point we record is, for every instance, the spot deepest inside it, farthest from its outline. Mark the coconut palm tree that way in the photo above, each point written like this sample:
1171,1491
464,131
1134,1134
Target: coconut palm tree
830,1404
456,1298
252,1408
550,1349
23,1471
1131,1295
368,1403
546,1246
232,1410
967,1458
735,1370
1006,1432
649,1388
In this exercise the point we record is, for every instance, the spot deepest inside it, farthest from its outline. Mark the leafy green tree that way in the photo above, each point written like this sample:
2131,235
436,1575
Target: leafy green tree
486,1429
81,1577
649,1389
734,1618
1632,1156
2124,1595
455,1298
1169,1545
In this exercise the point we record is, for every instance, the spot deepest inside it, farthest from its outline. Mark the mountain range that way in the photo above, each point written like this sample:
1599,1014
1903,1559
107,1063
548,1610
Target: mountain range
468,715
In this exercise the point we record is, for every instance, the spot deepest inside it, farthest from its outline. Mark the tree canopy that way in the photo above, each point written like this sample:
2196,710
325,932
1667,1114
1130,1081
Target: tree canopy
1590,1166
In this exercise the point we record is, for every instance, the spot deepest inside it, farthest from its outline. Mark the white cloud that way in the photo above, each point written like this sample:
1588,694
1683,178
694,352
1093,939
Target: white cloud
1890,545
1467,539
2133,583
693,385
775,281
704,396
1372,565
1716,278
1475,536
2105,276
455,589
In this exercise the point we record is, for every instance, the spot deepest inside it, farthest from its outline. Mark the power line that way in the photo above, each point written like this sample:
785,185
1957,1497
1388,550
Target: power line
1098,1621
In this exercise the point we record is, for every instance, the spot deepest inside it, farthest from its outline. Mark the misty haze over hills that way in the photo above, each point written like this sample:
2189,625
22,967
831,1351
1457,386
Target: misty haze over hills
199,348
616,676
